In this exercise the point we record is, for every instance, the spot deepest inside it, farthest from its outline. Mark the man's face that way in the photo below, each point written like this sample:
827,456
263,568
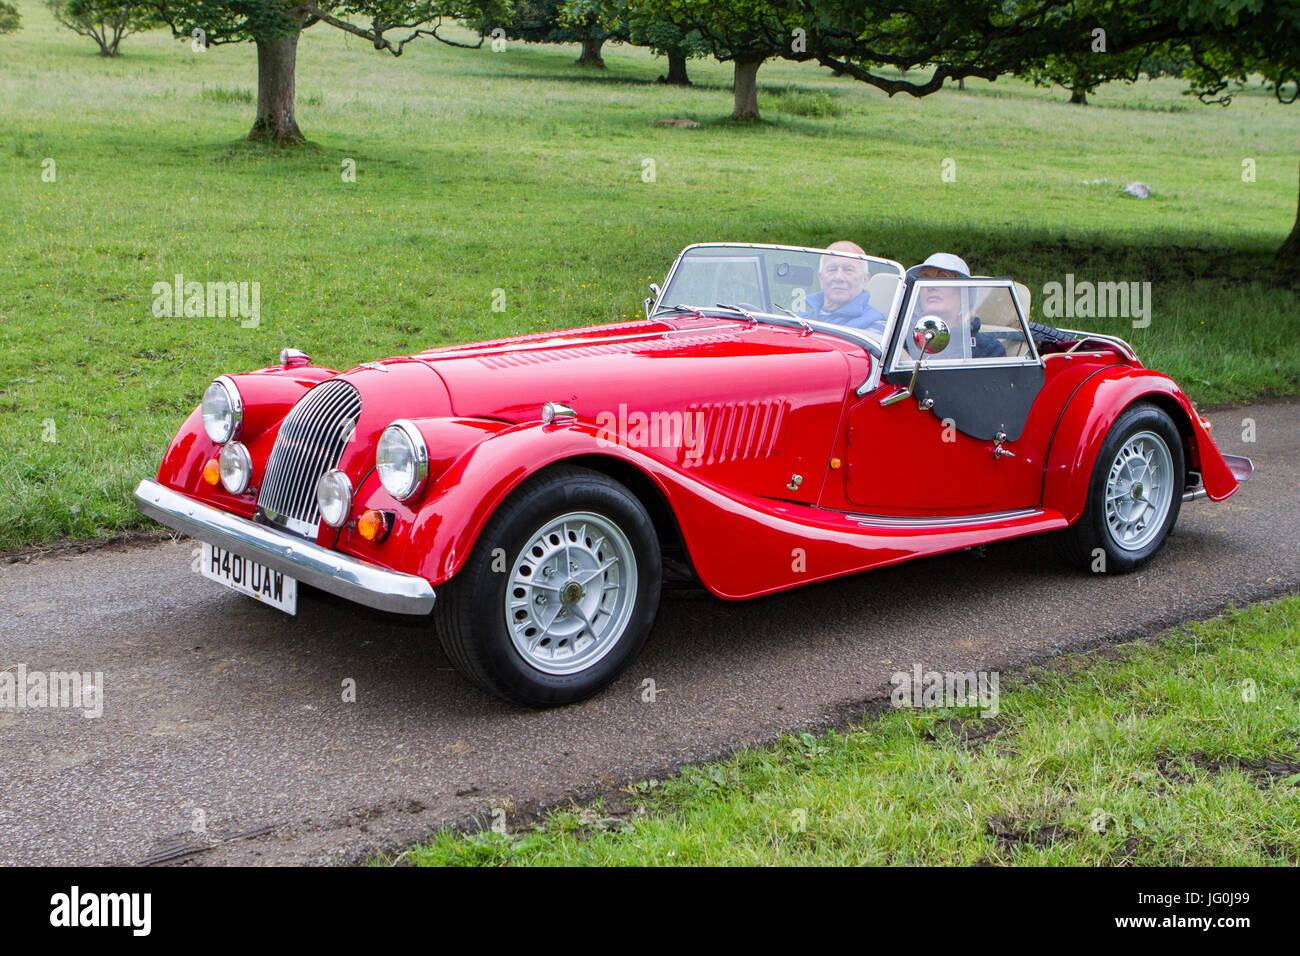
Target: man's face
842,280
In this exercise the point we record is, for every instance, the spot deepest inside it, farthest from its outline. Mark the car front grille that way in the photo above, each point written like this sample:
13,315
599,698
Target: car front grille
310,442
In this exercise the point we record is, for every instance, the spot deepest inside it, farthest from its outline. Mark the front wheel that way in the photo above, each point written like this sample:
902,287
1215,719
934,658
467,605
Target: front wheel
559,593
1134,495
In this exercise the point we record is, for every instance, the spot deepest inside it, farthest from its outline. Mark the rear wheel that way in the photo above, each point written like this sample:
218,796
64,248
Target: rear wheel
559,593
1134,495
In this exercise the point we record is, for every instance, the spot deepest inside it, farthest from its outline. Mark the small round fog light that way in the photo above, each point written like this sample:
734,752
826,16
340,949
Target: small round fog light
334,498
236,467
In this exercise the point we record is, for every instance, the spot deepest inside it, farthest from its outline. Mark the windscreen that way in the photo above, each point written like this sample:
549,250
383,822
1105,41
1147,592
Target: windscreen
839,289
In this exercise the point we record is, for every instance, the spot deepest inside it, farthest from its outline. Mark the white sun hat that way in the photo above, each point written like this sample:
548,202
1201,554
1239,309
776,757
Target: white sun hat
943,260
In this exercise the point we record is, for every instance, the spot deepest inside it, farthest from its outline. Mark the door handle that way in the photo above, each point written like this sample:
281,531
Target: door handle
998,450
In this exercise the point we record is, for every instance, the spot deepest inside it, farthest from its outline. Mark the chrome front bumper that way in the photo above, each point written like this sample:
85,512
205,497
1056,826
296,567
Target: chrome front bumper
306,561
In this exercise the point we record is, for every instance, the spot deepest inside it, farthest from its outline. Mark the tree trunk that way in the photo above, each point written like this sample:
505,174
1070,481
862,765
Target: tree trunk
591,53
276,58
1289,254
961,82
1078,97
677,71
746,86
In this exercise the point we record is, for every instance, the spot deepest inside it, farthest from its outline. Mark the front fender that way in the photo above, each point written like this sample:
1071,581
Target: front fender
449,519
267,394
1088,417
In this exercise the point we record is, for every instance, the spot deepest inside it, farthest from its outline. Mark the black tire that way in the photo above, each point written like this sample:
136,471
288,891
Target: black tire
1089,542
470,614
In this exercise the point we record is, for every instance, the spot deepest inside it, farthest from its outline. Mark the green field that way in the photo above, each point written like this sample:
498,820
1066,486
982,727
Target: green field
1184,752
517,171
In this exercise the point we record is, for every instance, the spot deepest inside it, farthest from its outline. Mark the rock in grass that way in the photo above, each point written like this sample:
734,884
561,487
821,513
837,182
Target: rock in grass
679,121
1138,190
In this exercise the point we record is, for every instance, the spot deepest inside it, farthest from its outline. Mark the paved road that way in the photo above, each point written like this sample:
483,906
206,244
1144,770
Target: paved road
221,711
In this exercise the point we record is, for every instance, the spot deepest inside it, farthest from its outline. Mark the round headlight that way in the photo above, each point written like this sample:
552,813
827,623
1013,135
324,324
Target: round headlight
236,467
222,410
334,497
402,460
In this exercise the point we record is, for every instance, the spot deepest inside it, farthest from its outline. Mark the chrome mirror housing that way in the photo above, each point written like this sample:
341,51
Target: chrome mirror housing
650,301
931,335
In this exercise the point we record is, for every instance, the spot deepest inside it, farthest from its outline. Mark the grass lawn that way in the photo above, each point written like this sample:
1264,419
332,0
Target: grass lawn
1182,752
517,171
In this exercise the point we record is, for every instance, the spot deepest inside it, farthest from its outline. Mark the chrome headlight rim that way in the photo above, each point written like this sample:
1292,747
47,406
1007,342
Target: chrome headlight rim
235,454
235,420
344,483
419,458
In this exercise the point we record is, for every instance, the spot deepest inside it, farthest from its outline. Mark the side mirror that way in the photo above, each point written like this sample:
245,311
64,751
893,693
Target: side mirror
649,303
931,335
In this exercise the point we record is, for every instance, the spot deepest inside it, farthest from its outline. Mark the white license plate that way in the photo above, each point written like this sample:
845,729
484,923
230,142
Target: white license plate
249,577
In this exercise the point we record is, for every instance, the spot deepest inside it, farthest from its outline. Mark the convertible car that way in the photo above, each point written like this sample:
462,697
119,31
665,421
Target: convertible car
782,415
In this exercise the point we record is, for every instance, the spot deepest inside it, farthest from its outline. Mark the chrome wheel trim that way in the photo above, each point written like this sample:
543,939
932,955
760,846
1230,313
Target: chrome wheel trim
571,593
1139,491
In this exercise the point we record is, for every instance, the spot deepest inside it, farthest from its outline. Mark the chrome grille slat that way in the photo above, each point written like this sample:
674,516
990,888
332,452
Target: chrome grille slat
296,470
308,461
310,443
324,456
291,433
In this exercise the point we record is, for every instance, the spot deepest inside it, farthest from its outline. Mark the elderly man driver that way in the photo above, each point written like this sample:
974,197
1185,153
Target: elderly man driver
843,299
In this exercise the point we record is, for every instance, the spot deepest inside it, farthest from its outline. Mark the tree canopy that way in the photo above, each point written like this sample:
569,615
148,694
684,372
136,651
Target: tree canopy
107,22
9,18
587,22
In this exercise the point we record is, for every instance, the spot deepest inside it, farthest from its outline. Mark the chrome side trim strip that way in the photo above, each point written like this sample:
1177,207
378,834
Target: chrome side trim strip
331,571
940,521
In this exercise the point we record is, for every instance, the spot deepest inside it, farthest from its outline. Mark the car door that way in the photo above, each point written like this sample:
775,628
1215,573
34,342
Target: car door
956,445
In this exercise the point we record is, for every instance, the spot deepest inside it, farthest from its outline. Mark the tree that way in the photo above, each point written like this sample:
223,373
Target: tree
744,32
9,19
107,22
645,26
275,25
559,21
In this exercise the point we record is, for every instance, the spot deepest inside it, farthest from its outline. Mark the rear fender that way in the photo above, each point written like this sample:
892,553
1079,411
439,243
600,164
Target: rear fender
1088,417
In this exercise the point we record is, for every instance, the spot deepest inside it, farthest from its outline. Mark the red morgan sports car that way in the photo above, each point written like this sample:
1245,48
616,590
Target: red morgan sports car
784,415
